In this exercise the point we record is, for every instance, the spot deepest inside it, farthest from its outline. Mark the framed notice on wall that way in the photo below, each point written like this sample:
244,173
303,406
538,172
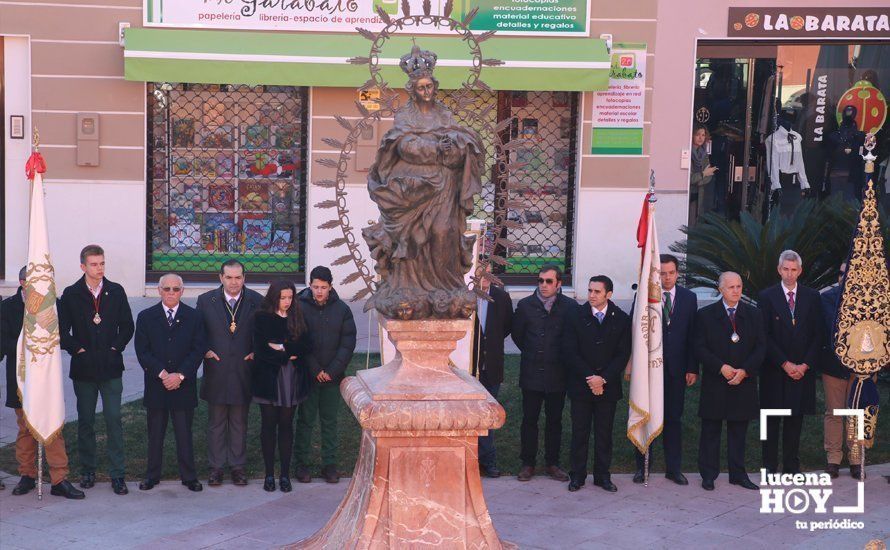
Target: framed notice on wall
617,118
16,127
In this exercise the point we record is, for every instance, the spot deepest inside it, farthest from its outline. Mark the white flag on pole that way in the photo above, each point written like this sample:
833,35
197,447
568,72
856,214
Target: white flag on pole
646,415
38,356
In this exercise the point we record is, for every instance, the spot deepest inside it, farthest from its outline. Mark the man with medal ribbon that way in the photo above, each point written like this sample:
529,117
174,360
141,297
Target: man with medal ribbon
794,334
730,345
228,319
95,325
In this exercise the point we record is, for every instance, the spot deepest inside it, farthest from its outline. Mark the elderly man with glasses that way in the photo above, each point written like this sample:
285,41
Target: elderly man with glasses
170,343
537,331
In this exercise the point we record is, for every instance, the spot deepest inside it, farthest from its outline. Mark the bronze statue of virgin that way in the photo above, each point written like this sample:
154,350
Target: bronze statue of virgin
424,179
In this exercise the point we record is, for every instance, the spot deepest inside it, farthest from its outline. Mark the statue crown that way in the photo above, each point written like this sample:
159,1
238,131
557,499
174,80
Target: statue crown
419,63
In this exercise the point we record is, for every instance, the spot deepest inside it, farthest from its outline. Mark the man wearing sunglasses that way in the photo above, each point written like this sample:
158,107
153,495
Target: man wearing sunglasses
170,344
537,331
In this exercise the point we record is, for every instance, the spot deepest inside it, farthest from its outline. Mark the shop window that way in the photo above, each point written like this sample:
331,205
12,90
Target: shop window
226,178
548,120
788,125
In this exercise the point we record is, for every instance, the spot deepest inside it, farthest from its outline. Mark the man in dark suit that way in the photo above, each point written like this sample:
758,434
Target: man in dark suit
730,345
680,367
227,312
836,382
95,325
492,325
12,314
537,332
169,345
596,348
792,315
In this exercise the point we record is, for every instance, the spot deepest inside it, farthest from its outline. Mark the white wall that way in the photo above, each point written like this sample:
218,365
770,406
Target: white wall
109,213
17,92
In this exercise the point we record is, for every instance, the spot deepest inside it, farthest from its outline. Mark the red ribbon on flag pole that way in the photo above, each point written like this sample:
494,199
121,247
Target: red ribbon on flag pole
35,165
643,225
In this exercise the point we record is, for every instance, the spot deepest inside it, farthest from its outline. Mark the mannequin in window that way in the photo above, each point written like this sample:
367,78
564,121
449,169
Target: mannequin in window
846,143
701,174
784,162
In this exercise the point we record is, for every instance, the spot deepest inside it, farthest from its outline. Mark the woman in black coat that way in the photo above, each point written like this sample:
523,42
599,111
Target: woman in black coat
279,380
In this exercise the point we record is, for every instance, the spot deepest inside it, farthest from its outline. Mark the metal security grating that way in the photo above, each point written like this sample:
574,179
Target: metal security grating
548,120
226,178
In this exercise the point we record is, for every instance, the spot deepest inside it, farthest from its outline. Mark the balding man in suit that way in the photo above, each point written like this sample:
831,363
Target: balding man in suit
730,345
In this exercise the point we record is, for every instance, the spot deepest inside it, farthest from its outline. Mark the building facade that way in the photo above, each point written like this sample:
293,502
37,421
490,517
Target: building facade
178,137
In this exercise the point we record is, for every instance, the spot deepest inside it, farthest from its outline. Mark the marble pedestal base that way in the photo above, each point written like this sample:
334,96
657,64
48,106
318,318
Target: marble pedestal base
416,483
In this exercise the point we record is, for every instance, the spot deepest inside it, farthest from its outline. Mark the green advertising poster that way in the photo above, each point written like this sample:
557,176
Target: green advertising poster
617,118
531,16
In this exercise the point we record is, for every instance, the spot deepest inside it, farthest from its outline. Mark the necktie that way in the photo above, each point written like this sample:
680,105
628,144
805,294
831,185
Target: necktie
791,301
599,316
668,306
232,303
170,317
731,311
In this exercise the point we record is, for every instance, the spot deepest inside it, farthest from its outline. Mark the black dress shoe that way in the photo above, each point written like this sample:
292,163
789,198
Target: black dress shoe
87,480
606,484
2,485
269,484
575,485
744,484
119,486
65,489
490,472
148,484
677,478
707,484
25,485
284,484
194,485
215,479
833,470
856,472
303,475
639,477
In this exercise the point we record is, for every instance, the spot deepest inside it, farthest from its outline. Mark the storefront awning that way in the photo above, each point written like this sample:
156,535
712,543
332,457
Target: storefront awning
299,59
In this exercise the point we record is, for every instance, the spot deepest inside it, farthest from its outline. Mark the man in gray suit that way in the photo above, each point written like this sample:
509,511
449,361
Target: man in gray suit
228,319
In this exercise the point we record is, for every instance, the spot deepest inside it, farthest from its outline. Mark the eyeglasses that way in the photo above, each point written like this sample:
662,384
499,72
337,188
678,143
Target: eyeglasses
543,281
171,288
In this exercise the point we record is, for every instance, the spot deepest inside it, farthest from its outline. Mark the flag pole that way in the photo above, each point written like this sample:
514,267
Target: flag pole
36,143
652,201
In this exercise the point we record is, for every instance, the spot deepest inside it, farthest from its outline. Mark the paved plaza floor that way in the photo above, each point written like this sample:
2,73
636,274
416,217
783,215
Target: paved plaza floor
535,514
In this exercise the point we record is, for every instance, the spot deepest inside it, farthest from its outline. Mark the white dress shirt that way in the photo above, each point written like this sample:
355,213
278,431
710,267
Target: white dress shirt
785,157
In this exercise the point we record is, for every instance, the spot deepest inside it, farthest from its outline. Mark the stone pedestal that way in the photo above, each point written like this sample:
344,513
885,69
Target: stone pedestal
416,483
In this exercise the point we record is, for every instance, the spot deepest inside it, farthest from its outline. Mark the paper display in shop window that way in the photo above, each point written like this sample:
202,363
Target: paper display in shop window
255,136
258,164
257,233
286,136
184,132
253,195
217,137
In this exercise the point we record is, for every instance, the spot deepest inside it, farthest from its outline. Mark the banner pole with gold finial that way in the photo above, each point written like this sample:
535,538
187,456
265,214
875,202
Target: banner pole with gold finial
36,144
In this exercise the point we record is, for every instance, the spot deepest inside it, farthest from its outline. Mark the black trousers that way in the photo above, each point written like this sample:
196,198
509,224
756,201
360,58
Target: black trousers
182,432
671,434
600,414
553,403
709,448
791,427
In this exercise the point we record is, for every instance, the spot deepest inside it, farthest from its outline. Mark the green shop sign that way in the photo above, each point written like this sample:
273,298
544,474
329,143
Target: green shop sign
617,124
508,17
